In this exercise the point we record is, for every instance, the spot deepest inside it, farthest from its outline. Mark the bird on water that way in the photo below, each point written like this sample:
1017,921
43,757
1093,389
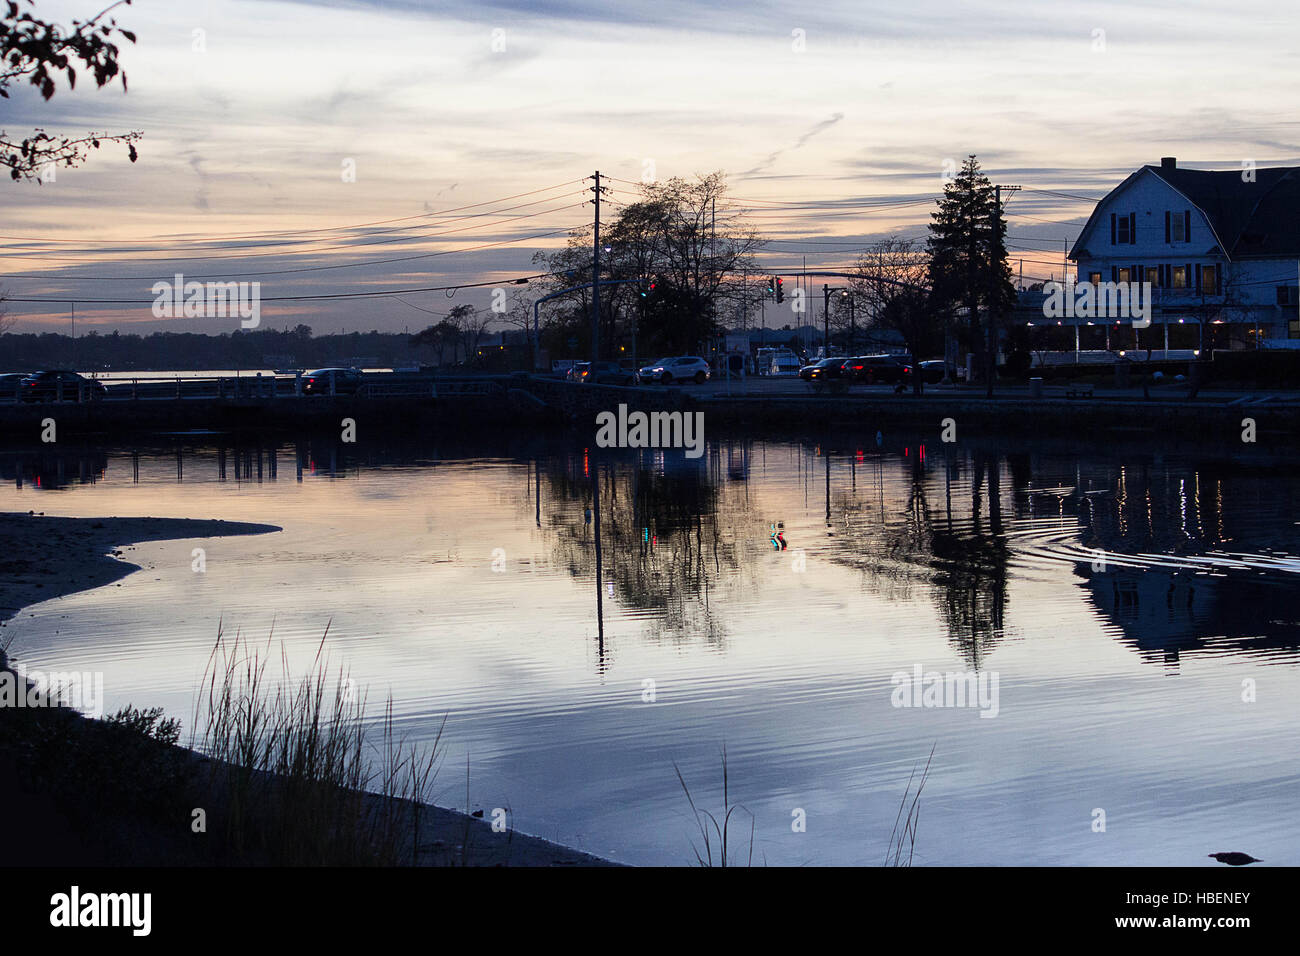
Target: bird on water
1234,859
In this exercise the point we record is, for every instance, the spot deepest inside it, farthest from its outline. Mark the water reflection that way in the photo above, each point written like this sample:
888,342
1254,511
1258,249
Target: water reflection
668,531
1178,555
1082,575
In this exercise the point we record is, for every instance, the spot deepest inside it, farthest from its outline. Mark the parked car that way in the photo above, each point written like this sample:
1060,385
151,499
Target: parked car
11,385
347,381
932,371
826,368
45,387
683,368
879,369
604,373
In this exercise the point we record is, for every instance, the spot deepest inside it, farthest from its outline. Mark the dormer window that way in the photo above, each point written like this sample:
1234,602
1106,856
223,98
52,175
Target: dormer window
1178,226
1123,229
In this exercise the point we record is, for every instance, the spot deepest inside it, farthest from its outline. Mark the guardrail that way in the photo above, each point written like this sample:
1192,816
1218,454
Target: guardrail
198,388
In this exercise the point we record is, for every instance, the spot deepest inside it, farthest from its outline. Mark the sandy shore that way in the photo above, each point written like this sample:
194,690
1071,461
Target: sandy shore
44,558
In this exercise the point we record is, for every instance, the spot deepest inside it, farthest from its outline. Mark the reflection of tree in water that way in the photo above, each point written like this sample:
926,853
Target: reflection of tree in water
961,552
666,535
972,567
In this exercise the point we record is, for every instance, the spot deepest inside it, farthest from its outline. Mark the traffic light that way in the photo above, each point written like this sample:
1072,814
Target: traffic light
780,290
648,287
771,285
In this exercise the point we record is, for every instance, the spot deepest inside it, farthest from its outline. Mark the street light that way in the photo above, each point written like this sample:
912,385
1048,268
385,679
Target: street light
853,325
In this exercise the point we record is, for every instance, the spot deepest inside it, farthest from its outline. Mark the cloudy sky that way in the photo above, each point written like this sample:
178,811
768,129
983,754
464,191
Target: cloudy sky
470,129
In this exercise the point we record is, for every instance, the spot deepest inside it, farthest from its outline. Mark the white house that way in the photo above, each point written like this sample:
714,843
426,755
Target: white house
1221,250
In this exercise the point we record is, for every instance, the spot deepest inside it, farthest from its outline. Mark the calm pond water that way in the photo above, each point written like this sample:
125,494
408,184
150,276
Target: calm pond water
1137,611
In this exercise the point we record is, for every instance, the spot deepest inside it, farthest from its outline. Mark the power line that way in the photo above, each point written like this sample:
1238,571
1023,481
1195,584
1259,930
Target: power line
294,232
61,300
285,272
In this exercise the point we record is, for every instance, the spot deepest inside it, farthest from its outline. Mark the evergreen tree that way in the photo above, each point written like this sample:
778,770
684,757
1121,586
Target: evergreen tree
968,256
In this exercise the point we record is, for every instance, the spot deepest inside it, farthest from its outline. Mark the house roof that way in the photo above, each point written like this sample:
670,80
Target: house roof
1249,219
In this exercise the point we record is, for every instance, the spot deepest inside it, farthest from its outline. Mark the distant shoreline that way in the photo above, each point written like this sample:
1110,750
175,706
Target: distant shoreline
43,558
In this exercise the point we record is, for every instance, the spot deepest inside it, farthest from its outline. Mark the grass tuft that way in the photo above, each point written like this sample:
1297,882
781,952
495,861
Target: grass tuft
715,835
299,778
904,838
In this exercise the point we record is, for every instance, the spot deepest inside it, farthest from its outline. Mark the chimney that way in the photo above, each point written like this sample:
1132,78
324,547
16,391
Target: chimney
1168,162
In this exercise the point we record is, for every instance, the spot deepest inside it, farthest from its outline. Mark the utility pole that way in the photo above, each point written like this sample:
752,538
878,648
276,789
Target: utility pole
847,296
995,281
595,275
826,320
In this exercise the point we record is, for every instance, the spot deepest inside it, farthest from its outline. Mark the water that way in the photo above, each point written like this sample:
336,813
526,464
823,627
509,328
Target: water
1126,601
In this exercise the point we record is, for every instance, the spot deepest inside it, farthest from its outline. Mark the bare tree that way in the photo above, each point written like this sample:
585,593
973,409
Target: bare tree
472,325
890,282
6,320
39,53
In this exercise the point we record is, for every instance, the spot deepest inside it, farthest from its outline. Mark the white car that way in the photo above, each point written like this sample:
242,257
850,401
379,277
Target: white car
683,368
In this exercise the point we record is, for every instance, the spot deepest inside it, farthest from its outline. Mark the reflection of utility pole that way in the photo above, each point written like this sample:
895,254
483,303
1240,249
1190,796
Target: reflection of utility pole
828,487
600,598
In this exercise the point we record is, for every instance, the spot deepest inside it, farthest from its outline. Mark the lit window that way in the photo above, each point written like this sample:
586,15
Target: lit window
1180,277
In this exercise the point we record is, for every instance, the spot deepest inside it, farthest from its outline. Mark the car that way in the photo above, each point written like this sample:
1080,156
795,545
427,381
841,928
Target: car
879,369
347,381
826,368
603,373
54,385
11,385
683,368
932,371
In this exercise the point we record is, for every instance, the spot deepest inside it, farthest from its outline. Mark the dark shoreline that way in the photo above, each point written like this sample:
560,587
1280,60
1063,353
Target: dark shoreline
58,820
551,406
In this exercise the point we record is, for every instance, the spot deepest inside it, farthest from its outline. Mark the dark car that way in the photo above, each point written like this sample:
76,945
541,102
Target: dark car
879,369
11,385
602,373
826,368
932,371
55,385
347,381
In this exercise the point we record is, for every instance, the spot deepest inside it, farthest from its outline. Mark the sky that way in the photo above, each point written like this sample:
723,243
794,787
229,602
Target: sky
335,148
